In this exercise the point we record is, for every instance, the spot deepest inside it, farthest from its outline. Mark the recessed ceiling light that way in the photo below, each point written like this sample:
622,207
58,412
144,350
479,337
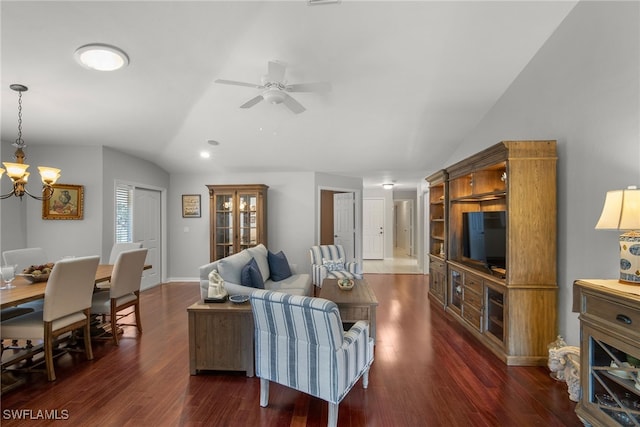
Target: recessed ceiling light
101,57
205,154
213,142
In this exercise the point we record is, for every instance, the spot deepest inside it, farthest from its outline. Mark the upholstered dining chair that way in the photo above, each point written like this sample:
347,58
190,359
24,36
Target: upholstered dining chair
300,343
67,299
121,247
124,291
25,257
329,261
116,249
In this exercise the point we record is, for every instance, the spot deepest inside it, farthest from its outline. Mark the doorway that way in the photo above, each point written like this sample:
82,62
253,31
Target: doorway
337,220
147,228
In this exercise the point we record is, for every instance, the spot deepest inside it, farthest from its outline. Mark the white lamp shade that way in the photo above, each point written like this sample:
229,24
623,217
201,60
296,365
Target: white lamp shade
49,175
15,170
621,210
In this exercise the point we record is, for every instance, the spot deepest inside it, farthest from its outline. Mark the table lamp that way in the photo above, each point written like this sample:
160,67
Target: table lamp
621,211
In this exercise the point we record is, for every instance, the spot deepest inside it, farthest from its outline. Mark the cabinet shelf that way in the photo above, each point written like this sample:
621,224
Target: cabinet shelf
494,195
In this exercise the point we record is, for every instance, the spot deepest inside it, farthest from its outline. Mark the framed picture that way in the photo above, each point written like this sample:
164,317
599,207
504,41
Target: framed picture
67,202
190,206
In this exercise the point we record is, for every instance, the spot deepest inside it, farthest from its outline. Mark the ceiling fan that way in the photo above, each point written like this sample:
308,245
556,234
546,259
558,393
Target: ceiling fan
276,88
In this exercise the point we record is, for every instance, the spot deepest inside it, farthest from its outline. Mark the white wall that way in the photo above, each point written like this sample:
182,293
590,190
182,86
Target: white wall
121,167
582,90
80,166
291,209
96,168
13,224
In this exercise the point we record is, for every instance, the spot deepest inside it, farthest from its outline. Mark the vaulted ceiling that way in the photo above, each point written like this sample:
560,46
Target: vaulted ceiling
409,80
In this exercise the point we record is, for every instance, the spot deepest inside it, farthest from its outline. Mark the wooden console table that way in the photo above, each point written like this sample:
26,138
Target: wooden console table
221,337
609,352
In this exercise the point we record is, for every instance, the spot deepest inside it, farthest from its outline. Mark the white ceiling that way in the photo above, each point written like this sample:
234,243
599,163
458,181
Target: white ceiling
409,79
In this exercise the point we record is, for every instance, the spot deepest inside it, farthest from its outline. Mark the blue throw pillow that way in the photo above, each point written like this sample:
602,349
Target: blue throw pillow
278,266
251,276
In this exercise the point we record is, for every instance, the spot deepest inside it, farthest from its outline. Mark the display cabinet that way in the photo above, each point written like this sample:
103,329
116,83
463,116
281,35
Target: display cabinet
238,218
437,236
500,235
609,352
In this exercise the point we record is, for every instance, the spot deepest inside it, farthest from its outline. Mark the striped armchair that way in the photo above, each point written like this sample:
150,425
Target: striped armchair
329,261
300,343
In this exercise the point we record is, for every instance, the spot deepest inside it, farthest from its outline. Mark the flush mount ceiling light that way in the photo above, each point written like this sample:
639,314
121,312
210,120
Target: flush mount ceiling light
101,57
387,186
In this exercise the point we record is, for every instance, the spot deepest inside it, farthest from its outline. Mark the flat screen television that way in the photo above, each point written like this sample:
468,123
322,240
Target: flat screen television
484,237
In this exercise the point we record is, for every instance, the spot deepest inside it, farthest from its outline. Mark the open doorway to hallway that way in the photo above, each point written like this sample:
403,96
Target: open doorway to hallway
401,263
401,241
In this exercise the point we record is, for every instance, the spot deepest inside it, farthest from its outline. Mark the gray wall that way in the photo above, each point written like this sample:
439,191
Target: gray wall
80,165
582,90
290,218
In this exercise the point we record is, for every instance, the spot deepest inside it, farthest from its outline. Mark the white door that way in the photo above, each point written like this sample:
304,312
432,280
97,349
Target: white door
373,228
147,229
344,227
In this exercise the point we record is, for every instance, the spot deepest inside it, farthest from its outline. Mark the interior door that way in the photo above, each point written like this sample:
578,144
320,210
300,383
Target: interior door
373,228
344,227
147,229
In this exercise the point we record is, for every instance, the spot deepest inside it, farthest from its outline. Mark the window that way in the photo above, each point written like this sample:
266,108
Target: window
124,213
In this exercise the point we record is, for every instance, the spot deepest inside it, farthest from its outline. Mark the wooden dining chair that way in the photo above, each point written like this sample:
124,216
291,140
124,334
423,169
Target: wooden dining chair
124,291
67,299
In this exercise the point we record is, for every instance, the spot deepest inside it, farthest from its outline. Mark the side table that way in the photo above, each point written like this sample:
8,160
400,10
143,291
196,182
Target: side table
221,337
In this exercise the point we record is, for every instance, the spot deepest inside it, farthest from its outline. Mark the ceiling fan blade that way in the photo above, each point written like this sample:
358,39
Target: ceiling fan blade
276,71
292,104
253,101
320,87
235,83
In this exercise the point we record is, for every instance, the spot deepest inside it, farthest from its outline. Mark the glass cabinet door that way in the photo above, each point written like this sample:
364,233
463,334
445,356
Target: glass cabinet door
238,218
224,225
248,226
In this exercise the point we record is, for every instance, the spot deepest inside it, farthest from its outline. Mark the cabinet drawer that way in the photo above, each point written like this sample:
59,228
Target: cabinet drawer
437,266
473,282
612,312
472,299
471,315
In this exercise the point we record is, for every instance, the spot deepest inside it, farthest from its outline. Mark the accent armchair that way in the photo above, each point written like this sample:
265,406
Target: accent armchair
329,261
300,343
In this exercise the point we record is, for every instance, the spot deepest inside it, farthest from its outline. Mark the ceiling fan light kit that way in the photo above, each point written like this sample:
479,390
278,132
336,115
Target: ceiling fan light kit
276,88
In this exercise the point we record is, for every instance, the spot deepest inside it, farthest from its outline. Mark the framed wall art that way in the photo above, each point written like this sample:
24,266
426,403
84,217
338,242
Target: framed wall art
67,202
190,206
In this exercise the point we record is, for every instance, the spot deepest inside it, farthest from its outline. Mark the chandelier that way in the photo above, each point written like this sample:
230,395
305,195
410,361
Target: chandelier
18,171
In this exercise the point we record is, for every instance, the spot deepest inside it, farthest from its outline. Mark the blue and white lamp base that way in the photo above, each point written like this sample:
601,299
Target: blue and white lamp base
630,257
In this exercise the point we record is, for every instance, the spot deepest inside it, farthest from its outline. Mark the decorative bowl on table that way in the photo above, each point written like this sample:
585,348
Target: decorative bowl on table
345,284
33,278
239,299
37,273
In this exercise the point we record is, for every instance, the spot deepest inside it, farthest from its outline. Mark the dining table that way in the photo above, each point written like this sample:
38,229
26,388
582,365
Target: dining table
25,291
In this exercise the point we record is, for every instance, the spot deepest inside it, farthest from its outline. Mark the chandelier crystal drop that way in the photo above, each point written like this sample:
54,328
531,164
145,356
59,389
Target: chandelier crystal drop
17,171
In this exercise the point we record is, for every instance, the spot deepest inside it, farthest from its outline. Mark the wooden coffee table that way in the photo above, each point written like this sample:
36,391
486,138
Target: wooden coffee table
359,303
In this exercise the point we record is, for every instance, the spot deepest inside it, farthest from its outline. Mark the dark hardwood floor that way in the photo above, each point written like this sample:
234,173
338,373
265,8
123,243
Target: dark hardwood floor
428,371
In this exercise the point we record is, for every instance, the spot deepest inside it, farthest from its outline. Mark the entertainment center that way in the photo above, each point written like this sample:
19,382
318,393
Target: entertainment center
492,228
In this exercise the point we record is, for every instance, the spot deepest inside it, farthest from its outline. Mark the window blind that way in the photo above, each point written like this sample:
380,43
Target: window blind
124,213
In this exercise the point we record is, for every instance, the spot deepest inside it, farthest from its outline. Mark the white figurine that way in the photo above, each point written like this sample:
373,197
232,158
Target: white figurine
216,286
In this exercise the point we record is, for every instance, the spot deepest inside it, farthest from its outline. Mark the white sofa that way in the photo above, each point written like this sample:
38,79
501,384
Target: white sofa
230,269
